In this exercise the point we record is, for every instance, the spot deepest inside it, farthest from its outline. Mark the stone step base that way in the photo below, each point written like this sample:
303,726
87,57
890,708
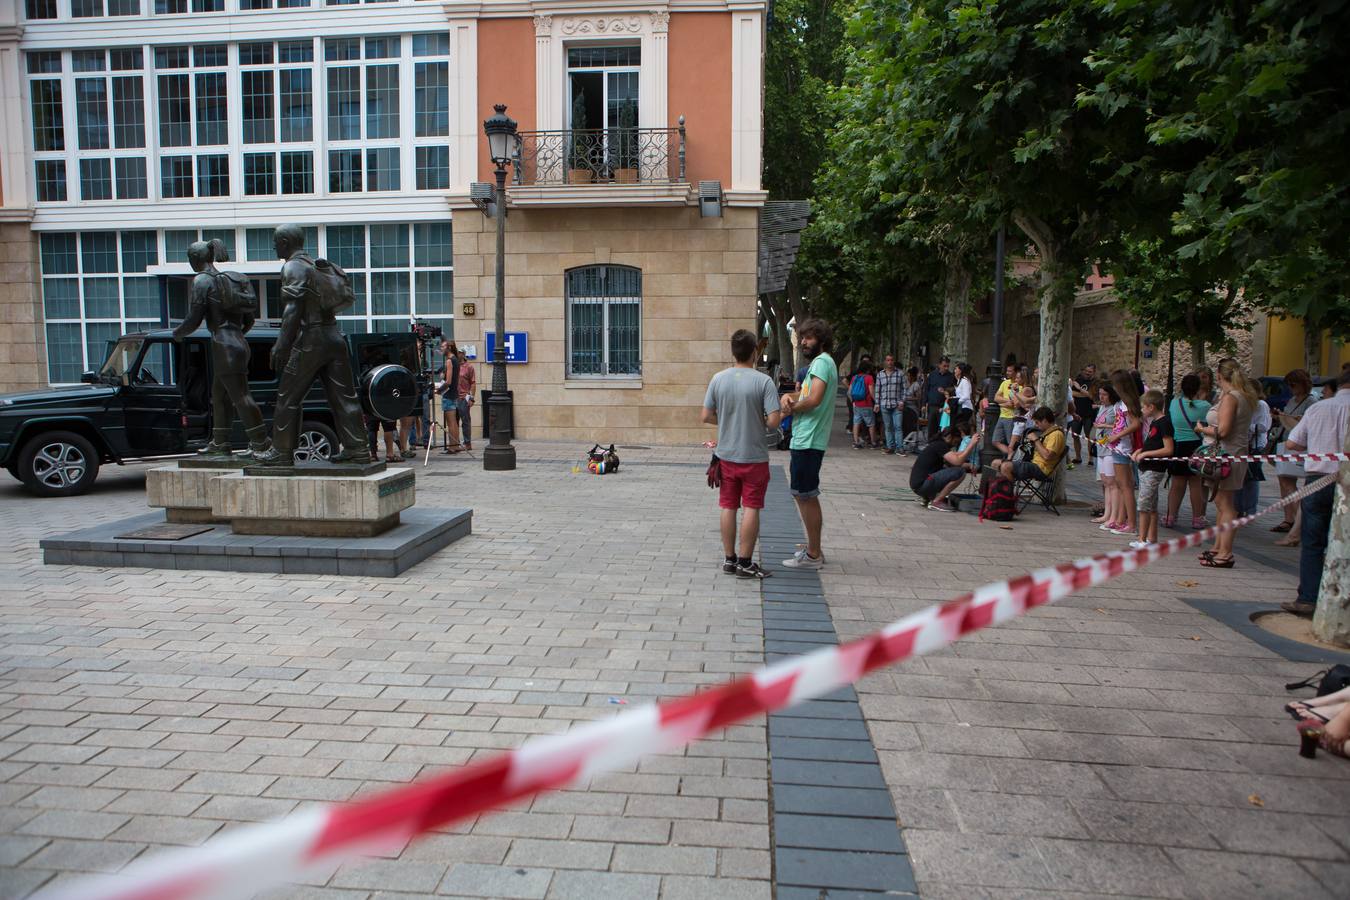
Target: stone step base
419,534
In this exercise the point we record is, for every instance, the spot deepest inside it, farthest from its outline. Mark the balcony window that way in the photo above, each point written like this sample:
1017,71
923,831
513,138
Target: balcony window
602,112
604,322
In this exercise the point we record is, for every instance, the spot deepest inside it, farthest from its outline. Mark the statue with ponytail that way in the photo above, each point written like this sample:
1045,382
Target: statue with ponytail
226,303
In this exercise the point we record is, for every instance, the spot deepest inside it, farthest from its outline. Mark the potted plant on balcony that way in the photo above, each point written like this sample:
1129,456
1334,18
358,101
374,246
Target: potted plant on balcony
626,172
579,169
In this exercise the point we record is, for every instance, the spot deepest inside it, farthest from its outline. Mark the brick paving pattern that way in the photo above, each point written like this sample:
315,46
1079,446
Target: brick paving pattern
1118,743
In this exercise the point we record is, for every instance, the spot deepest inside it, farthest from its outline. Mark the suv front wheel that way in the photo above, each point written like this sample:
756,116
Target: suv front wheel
317,441
58,464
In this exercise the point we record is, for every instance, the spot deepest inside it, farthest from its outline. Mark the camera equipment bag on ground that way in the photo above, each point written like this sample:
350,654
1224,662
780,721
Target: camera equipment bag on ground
1000,501
601,460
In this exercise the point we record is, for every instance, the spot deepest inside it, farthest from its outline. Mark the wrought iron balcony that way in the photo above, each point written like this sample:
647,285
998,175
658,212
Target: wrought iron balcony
601,156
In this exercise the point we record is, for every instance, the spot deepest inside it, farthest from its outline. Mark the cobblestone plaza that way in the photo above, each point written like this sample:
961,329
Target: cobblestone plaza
1120,743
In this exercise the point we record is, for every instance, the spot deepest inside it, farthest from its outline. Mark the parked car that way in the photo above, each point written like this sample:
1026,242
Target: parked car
1277,393
151,398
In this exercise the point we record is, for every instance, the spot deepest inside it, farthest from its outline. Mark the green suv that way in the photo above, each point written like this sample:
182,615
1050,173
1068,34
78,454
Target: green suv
152,398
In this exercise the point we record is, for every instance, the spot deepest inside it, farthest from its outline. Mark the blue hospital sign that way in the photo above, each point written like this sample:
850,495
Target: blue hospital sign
517,347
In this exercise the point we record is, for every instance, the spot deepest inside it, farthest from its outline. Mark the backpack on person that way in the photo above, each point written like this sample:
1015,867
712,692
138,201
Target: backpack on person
335,286
857,388
236,294
1000,501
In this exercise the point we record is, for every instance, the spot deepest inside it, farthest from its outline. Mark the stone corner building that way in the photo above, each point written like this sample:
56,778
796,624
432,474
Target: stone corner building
133,127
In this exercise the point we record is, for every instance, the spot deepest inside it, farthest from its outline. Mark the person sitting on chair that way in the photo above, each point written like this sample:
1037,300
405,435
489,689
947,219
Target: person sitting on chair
1047,447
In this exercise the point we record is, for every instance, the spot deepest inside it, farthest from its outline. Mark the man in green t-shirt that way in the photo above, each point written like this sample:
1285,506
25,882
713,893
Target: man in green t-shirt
812,418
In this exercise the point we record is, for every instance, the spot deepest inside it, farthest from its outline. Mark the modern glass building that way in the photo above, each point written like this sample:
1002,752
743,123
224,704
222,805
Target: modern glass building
148,124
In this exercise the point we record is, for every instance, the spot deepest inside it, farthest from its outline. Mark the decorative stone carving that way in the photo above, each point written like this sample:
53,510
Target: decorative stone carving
543,26
603,25
660,22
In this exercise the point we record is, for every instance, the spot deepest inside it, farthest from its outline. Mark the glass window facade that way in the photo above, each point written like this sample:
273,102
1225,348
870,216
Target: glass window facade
604,322
97,285
300,116
94,288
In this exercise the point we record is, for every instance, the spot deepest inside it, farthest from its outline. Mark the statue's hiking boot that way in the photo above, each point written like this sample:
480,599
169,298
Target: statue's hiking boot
258,441
274,457
219,445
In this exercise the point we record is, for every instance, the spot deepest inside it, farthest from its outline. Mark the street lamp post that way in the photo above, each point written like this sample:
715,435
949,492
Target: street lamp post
500,455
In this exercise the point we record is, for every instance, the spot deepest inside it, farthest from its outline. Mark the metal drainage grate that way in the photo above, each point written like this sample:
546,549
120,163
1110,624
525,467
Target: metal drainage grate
440,474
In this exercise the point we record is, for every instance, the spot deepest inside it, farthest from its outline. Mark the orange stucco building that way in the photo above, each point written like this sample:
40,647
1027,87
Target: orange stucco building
626,285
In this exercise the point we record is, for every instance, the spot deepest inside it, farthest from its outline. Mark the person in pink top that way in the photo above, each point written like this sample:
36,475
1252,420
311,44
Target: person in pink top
468,383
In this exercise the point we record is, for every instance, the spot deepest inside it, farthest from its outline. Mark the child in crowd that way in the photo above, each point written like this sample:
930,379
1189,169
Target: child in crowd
1158,441
1121,442
1026,402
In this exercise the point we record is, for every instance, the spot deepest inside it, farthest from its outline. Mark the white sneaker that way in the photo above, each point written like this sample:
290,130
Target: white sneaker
800,560
1140,545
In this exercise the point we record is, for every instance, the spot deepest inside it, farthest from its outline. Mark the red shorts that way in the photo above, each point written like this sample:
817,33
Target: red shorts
743,484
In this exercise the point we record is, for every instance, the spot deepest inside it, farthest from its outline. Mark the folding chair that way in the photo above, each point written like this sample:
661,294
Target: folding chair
1031,489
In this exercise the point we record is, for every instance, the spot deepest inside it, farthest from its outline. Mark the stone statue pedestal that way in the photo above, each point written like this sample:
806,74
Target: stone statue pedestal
295,503
181,490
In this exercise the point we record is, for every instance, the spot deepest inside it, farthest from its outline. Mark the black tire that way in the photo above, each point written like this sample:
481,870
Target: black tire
58,464
317,441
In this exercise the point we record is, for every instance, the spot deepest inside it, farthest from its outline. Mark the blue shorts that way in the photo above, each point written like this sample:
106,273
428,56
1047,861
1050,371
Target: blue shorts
449,404
865,415
804,473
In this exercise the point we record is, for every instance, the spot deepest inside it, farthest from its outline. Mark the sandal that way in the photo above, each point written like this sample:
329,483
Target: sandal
1302,712
1287,542
1168,522
1214,562
1283,527
1205,554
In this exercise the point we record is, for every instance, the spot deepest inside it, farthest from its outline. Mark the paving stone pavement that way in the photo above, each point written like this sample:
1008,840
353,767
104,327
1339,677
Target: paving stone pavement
1108,745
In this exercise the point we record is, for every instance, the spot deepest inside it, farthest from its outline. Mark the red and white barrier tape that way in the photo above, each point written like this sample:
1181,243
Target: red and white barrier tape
256,857
1261,457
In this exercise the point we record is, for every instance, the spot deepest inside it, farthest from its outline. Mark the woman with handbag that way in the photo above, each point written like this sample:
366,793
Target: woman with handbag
1186,411
1291,474
1228,424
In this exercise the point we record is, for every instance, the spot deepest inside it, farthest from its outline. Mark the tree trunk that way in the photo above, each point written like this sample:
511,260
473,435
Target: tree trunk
1058,278
1197,354
905,356
1312,349
1331,621
956,311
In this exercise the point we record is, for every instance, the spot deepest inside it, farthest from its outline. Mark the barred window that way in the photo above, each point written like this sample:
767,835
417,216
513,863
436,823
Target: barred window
604,322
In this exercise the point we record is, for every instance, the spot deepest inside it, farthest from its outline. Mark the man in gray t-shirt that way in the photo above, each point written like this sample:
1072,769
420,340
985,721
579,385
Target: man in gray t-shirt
743,403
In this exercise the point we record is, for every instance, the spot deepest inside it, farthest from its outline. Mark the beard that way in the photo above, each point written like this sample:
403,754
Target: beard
810,351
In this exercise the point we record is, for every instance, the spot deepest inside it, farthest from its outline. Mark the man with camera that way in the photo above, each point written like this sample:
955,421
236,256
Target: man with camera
1048,445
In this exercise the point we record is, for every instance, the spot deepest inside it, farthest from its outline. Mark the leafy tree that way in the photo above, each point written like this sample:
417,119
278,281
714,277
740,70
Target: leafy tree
1243,122
969,111
1177,297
